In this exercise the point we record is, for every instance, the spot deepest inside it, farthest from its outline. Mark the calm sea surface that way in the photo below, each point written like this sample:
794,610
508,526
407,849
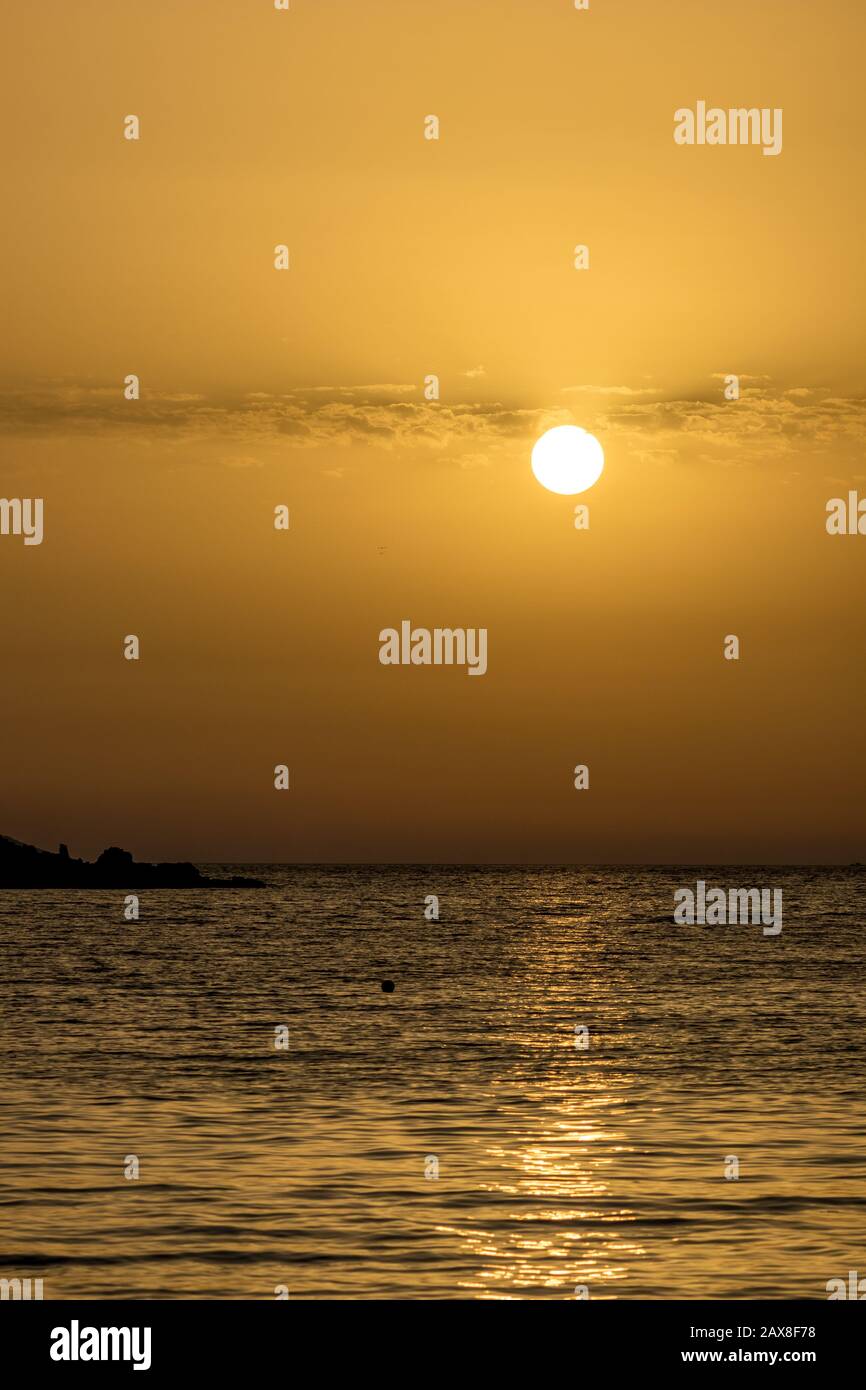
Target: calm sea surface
558,1167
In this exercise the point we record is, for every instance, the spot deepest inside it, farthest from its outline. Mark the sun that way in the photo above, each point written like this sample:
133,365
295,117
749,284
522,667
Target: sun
567,459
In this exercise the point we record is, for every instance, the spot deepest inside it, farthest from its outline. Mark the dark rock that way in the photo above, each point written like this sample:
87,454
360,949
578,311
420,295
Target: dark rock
24,866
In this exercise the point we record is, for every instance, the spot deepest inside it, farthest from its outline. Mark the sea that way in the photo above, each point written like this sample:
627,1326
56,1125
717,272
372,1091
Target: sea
564,1094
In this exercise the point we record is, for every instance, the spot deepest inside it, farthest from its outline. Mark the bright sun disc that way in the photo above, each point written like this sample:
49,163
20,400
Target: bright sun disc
567,459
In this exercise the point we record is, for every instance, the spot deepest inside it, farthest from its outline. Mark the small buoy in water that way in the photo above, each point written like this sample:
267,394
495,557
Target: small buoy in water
387,986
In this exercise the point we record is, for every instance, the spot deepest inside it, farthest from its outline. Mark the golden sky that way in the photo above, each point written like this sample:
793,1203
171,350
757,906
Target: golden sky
411,257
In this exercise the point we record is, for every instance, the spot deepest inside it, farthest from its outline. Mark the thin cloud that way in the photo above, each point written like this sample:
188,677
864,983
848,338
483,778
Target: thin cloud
611,390
764,423
306,417
375,389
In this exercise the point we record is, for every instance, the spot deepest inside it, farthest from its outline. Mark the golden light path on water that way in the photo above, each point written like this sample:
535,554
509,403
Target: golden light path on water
562,1167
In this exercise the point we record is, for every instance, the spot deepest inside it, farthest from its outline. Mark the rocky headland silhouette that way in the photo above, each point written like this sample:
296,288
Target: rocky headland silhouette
25,866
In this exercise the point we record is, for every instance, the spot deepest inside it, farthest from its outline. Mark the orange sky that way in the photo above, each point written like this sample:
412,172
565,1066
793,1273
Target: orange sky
411,257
